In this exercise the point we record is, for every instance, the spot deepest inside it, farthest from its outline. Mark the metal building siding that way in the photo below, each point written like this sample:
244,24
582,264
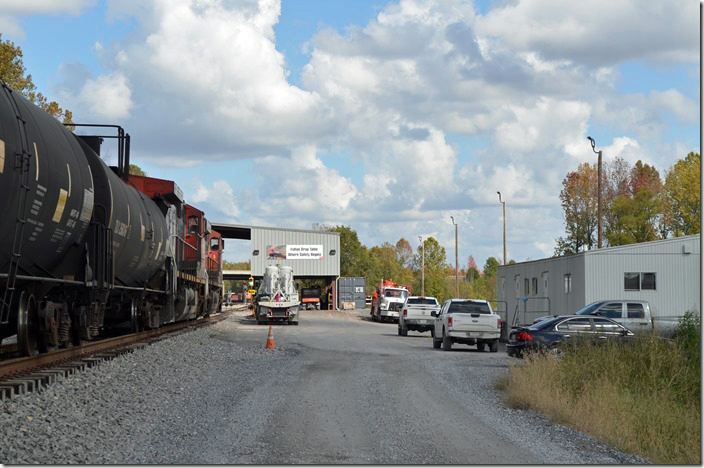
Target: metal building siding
555,268
329,265
678,276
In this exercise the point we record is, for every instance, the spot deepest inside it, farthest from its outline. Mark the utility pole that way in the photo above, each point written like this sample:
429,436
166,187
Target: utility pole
504,204
598,189
422,270
457,283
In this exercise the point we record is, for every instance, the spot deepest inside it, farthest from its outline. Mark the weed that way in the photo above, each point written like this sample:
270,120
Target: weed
642,397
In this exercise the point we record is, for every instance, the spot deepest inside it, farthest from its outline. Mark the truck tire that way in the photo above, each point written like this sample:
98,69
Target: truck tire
446,342
399,331
403,331
494,346
436,343
480,346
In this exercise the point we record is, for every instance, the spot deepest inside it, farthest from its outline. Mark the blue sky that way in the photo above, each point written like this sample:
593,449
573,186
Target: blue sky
388,116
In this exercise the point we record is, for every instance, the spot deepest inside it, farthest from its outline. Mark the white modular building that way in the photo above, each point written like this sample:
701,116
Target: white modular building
666,273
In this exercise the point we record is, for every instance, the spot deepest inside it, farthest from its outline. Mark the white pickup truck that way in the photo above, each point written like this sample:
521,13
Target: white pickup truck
467,321
417,315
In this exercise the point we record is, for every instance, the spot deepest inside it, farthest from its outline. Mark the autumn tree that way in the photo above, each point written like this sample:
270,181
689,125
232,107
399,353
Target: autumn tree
636,214
682,194
579,203
472,270
12,72
404,253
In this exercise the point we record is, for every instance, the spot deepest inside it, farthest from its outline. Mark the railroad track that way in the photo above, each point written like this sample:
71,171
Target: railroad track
29,374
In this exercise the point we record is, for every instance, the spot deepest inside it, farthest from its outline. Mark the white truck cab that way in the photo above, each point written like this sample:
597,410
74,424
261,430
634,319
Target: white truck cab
390,304
467,321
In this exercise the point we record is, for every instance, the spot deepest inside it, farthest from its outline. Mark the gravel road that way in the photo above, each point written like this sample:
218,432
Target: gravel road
337,389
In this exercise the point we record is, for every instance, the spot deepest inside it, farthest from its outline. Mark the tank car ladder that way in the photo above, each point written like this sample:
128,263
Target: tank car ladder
22,161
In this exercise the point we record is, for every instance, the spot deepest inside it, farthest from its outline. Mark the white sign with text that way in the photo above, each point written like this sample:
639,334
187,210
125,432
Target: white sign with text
304,252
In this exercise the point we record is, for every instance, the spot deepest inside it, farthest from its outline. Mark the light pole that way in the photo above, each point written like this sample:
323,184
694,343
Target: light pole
422,270
457,284
598,189
504,204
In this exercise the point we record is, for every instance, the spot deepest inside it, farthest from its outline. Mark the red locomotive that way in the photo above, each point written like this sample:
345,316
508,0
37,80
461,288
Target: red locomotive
87,249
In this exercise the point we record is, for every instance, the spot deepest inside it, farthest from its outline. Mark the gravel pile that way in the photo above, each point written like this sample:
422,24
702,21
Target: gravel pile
139,408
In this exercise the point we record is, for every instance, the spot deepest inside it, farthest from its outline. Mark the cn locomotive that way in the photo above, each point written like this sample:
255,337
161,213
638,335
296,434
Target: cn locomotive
88,250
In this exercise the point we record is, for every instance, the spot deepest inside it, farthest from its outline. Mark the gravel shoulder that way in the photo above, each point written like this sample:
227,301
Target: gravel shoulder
216,396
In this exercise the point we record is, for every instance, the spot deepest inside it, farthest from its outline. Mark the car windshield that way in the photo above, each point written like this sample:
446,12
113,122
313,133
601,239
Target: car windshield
422,300
395,293
468,307
587,310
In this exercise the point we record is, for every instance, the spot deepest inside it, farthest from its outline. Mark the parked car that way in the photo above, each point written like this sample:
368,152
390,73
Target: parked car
467,321
550,334
416,314
636,315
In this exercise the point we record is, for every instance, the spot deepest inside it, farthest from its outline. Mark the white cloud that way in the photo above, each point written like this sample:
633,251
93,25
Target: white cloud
522,85
219,201
598,32
12,12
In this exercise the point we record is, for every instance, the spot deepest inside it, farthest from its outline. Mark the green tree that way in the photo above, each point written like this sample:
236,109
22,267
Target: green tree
579,203
12,72
683,209
635,218
354,257
437,271
490,266
136,170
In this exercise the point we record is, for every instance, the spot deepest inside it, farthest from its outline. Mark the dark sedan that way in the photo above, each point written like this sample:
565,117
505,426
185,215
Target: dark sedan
548,334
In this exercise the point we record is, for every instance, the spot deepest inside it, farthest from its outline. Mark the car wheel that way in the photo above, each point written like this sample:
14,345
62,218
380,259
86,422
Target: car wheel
403,331
555,351
494,346
481,346
446,342
436,343
399,331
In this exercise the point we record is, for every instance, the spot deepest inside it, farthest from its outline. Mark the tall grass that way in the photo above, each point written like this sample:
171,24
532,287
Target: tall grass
641,397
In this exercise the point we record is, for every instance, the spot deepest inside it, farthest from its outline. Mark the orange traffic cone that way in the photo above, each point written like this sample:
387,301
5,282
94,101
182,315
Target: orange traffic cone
270,339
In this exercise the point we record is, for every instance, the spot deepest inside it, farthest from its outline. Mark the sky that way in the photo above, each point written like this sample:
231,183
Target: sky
390,117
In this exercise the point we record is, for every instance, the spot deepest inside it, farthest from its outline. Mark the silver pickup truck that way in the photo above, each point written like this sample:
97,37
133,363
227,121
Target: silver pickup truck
467,321
416,314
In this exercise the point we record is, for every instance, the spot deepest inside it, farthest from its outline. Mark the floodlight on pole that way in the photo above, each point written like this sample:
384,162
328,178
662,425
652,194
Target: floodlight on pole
598,189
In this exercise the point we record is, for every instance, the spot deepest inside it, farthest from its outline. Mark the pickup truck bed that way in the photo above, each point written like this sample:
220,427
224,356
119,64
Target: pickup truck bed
467,321
417,315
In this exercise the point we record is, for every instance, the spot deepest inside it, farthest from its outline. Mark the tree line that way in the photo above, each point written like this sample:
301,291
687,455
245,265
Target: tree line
637,204
425,270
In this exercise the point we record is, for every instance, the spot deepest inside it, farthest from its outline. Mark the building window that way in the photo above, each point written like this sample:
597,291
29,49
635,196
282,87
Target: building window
518,285
535,286
568,284
639,281
545,284
647,281
526,289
